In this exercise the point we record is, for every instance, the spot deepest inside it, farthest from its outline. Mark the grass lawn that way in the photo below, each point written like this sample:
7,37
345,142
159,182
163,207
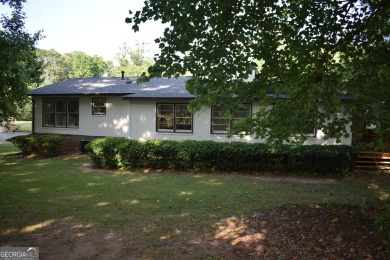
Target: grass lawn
60,198
25,126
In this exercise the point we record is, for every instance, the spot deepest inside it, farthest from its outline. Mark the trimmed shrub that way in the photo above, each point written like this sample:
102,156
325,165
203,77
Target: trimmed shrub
22,142
48,145
317,158
104,151
216,156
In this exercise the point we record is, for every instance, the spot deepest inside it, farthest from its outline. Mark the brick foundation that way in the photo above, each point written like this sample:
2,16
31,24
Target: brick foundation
71,143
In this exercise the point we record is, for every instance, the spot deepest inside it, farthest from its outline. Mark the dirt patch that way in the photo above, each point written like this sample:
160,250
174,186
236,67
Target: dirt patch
304,232
68,240
287,232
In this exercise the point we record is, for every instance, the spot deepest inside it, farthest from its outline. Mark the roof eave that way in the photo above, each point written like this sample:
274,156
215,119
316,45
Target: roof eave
342,97
78,94
157,98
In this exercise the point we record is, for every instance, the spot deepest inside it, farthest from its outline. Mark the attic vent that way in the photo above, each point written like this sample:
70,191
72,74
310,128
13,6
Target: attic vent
128,81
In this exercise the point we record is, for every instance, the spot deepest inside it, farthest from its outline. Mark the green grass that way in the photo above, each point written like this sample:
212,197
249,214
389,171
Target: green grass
39,190
25,126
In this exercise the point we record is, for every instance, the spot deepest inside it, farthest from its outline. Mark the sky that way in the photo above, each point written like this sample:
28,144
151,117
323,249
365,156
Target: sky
96,27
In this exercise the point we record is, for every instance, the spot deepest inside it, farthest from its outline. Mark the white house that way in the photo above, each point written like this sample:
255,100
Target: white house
95,107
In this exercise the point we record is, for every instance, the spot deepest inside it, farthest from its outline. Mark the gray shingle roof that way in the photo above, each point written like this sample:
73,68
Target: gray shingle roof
162,88
155,88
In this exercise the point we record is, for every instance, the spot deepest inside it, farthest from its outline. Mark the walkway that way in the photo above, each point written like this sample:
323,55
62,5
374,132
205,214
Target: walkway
4,136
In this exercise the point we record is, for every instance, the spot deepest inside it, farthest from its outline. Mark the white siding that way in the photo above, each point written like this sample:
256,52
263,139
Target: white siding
114,123
143,127
136,119
332,141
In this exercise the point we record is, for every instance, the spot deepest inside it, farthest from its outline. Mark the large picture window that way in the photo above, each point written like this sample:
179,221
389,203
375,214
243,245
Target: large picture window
173,118
221,123
61,112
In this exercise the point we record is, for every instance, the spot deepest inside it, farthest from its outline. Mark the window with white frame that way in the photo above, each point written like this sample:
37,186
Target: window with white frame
175,118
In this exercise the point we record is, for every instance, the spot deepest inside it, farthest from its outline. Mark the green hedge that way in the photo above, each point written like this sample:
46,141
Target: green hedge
114,152
48,145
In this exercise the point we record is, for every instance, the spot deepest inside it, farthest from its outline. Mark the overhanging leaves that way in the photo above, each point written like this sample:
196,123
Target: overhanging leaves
310,50
19,66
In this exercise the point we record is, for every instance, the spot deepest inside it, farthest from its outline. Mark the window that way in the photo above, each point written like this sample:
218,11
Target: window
221,124
173,118
48,112
309,128
308,131
73,113
311,132
60,112
183,118
98,106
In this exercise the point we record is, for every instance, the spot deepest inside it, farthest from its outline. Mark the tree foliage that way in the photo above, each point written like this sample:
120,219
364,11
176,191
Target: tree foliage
133,62
77,64
19,66
55,66
84,66
311,52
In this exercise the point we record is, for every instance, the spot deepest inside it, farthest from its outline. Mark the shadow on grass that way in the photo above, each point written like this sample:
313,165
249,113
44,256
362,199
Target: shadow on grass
71,211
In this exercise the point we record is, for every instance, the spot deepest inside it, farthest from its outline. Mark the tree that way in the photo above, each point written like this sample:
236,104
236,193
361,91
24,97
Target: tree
19,66
99,66
55,66
132,62
76,64
85,66
311,52
110,69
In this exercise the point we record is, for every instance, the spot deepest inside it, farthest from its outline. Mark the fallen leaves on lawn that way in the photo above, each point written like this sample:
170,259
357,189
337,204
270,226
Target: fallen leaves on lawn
304,232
